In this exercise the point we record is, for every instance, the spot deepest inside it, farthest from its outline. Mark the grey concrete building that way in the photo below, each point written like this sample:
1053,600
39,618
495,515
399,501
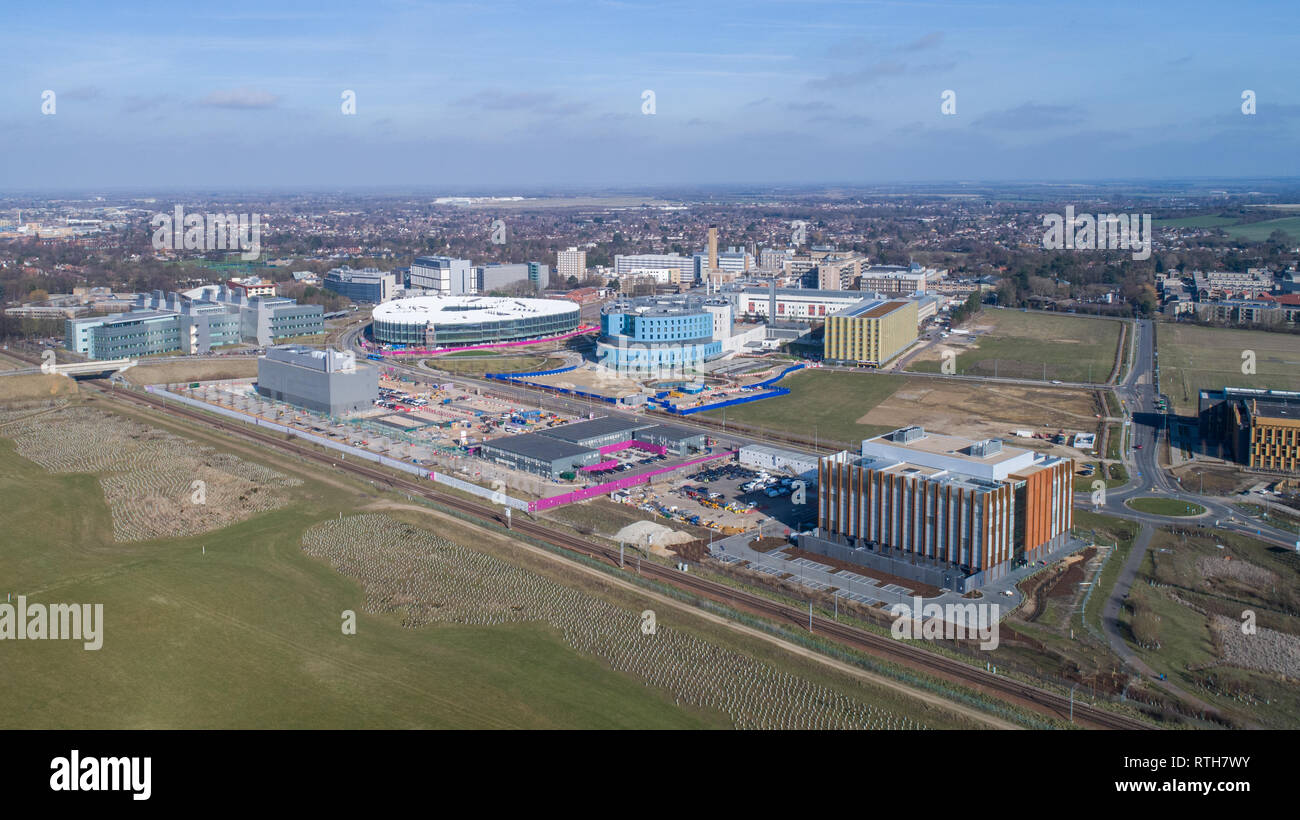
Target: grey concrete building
537,453
324,381
500,276
597,433
677,440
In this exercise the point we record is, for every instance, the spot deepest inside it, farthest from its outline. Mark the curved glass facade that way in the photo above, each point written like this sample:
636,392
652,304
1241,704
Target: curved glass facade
505,328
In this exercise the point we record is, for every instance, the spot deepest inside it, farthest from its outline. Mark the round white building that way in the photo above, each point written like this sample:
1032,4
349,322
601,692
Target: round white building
452,321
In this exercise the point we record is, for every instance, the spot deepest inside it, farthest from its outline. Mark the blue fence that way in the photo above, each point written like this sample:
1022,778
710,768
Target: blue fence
505,377
772,393
779,376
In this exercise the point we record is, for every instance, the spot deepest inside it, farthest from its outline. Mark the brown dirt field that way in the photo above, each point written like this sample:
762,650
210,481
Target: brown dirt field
196,371
36,386
978,410
1216,479
768,544
1067,586
1058,582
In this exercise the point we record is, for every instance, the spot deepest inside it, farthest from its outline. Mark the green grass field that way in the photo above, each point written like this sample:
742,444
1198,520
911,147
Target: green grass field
1259,231
1196,222
1251,231
239,628
1112,531
1194,358
820,402
1083,484
248,635
1187,651
477,366
1035,346
1165,506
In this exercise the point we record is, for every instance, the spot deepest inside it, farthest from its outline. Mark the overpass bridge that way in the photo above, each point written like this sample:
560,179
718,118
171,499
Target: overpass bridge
77,370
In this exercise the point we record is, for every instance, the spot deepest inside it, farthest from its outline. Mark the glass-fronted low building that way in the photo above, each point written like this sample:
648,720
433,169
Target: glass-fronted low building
454,321
365,285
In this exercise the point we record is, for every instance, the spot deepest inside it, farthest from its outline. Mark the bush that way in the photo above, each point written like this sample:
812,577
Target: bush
568,475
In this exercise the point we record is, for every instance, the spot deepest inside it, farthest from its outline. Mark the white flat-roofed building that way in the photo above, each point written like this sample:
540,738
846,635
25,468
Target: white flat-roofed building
625,264
443,275
572,262
448,321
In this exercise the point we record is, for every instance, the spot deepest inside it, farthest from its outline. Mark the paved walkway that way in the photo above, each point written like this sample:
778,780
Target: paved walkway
1110,624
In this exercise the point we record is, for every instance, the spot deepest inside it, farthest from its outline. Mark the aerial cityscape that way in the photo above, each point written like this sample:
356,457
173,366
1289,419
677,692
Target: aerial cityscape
847,367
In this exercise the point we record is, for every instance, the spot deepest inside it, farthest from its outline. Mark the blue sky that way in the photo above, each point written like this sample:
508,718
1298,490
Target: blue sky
514,95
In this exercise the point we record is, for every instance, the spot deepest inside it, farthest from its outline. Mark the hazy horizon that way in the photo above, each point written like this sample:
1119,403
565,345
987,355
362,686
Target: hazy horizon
502,96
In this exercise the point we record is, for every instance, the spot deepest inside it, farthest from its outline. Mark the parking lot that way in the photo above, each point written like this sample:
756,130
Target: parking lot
630,460
776,497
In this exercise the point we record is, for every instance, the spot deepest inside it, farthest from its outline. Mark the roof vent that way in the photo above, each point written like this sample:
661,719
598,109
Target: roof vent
986,448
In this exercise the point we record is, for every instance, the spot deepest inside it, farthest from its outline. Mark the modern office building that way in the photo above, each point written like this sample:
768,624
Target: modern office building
942,510
839,271
368,285
539,275
159,323
139,333
628,264
770,303
450,321
265,320
870,333
208,326
1257,428
897,280
657,334
271,321
773,260
443,275
498,276
323,381
572,262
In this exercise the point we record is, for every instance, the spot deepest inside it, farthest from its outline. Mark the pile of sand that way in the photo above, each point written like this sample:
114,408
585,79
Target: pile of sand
659,535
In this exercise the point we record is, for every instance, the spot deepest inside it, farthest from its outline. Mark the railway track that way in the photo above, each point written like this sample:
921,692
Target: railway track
1040,700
